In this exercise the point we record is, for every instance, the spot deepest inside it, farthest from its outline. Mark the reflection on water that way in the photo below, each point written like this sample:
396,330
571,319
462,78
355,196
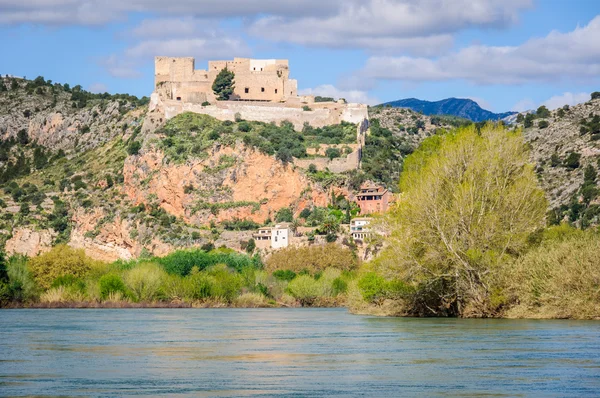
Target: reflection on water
290,352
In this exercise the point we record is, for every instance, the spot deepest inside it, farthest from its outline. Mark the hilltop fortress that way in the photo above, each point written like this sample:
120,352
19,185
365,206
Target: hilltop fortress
263,92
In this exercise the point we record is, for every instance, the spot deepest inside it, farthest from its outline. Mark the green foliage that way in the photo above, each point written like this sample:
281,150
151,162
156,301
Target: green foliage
61,260
375,288
436,243
284,214
312,258
542,112
306,108
134,147
19,286
595,95
111,284
224,84
543,124
181,262
144,281
572,161
251,246
528,120
284,274
383,155
237,224
332,153
318,98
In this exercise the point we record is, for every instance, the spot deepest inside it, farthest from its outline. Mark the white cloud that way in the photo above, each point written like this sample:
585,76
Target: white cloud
118,66
554,102
98,12
393,25
567,98
572,55
523,105
98,88
482,103
209,47
425,27
328,90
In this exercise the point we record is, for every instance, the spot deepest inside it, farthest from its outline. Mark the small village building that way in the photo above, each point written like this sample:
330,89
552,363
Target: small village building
277,237
359,228
373,199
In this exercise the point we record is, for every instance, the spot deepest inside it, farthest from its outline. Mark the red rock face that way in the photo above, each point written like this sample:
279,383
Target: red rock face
254,187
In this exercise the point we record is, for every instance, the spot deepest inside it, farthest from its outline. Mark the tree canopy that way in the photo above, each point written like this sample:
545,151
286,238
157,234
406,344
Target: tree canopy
224,84
469,200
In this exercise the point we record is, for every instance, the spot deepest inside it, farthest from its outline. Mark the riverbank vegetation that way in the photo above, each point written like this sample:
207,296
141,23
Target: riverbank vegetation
467,238
66,277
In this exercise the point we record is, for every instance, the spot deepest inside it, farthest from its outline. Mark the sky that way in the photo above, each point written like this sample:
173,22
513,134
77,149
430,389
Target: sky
504,54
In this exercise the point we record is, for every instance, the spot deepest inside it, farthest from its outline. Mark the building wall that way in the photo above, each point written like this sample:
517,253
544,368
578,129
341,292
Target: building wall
264,80
375,206
280,238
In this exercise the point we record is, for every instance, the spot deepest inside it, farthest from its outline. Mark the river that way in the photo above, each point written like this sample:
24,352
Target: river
290,352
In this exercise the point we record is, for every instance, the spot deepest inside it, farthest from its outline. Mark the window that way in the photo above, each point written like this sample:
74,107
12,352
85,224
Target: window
254,68
178,98
275,91
246,90
262,89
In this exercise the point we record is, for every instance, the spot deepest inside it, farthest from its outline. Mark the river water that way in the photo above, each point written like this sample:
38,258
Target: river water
290,352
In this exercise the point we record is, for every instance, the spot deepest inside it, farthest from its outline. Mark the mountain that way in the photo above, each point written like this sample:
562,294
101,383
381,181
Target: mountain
460,107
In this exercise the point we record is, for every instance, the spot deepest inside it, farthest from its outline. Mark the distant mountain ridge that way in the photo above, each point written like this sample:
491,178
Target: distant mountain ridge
460,107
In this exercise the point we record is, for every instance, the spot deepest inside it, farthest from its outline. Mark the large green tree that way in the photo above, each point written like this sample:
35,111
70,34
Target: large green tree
224,84
469,202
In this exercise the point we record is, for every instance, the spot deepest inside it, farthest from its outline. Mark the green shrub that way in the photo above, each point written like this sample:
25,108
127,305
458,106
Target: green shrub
134,147
182,261
144,281
284,275
227,283
304,289
111,284
19,285
372,287
595,95
572,161
312,258
284,215
61,260
543,124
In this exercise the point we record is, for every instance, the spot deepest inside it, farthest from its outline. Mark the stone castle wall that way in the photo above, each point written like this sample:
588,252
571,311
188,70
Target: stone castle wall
322,114
258,80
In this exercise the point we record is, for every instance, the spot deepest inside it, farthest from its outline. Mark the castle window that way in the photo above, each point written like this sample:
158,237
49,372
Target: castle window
178,98
254,68
275,91
262,89
246,90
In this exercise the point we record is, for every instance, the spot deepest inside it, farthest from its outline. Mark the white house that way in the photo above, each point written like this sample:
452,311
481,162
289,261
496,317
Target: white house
276,237
359,227
280,236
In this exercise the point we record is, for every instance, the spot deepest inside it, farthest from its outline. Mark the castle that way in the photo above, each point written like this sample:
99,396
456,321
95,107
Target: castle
255,79
263,92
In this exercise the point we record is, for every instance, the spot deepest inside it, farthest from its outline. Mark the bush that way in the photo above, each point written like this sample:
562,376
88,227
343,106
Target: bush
223,85
205,103
60,261
558,279
144,281
181,262
284,215
111,285
332,153
304,289
572,161
284,275
543,124
312,258
227,283
542,112
595,95
18,285
134,147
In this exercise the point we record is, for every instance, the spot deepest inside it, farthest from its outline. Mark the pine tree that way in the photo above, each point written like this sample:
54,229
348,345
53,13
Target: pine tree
224,84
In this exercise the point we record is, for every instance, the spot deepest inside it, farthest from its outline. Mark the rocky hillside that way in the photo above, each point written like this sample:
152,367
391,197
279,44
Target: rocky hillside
459,107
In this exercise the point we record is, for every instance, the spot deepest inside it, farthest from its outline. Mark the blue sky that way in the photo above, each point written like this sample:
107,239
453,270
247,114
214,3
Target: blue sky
505,54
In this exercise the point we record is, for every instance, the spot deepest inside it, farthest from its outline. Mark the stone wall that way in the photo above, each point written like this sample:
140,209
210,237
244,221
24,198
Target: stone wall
259,80
322,114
